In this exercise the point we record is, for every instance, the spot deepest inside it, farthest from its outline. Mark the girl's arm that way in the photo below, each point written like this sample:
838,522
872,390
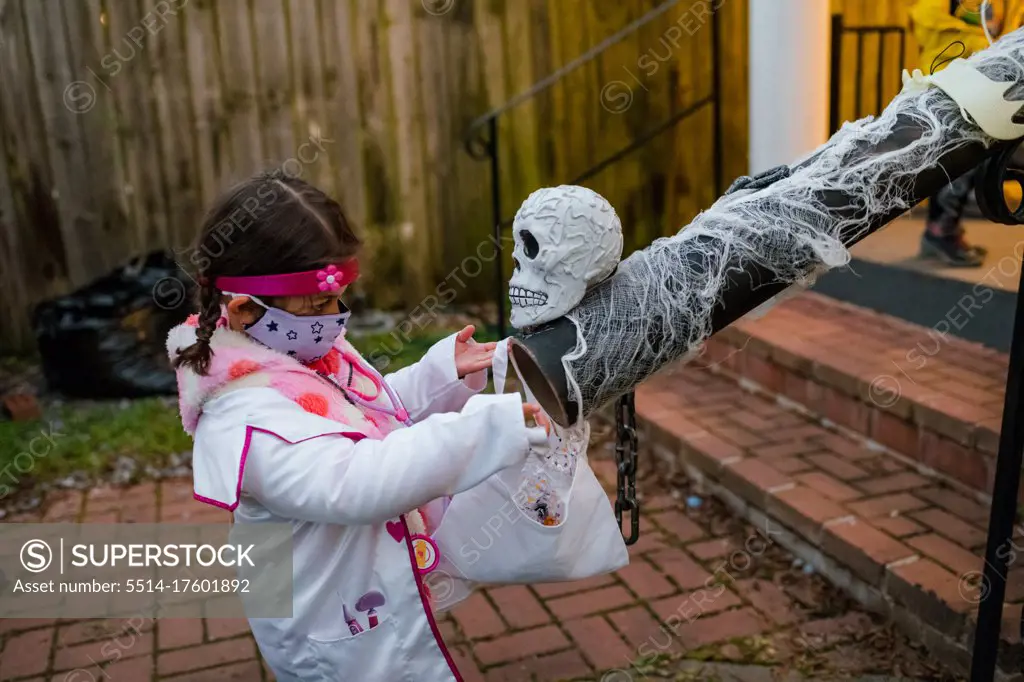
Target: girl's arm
333,479
432,385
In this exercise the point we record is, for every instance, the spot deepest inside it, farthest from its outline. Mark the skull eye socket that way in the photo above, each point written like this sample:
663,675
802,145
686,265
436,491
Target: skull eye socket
530,246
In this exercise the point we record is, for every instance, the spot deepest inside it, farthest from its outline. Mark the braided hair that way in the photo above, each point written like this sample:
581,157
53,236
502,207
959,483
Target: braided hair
271,224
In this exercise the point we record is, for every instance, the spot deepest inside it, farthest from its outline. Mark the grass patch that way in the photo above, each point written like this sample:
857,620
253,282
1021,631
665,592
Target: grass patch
90,437
393,350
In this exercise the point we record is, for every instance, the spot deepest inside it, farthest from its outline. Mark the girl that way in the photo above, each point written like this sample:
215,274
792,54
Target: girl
292,426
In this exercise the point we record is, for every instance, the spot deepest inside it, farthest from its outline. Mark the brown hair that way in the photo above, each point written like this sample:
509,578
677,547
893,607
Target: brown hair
272,224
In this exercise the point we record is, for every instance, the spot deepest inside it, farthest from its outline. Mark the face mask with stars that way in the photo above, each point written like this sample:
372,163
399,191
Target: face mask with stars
304,338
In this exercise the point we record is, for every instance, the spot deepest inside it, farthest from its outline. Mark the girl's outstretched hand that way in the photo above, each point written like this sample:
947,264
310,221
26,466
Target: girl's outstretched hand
533,410
470,356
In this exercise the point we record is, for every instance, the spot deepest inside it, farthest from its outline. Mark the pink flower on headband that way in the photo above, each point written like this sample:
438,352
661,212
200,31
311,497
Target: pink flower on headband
328,279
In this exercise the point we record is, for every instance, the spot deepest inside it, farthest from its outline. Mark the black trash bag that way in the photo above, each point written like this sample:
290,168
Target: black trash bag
108,339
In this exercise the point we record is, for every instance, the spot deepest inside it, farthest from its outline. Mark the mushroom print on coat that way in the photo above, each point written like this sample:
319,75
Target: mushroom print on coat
369,603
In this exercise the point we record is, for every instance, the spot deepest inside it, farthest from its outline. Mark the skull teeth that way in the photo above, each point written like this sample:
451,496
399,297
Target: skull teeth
525,298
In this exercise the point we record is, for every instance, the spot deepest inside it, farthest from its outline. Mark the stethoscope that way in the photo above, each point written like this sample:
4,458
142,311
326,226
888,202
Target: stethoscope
423,545
397,409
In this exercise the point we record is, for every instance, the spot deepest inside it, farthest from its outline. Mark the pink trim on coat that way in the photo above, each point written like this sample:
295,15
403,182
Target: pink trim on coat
352,435
292,380
426,604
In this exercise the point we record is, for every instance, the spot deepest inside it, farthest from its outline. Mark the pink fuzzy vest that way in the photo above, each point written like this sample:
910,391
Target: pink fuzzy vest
238,362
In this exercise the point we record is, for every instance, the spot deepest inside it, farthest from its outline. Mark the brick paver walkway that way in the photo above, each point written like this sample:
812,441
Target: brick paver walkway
837,428
919,391
701,584
869,437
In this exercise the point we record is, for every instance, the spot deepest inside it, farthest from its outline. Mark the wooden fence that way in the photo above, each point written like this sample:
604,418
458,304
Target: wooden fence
121,120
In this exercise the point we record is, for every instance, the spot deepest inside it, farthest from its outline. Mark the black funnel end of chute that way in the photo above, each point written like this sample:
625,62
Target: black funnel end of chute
537,357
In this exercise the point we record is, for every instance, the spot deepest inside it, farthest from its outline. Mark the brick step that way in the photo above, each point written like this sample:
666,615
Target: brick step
900,540
920,392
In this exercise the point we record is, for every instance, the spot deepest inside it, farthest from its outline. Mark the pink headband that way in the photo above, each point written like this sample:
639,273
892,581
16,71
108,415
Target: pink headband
309,283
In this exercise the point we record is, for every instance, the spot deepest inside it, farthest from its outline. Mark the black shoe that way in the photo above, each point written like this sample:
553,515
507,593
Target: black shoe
952,251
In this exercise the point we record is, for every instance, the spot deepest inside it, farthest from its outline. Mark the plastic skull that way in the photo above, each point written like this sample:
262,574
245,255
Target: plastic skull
567,238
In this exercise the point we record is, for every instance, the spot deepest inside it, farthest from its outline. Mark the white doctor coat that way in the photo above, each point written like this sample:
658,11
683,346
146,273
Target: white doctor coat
262,456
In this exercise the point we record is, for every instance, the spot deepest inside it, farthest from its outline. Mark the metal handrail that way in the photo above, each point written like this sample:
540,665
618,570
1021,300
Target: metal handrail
481,140
839,29
645,138
553,78
874,29
640,141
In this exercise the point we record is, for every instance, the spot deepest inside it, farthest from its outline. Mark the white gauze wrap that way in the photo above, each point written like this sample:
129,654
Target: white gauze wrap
658,307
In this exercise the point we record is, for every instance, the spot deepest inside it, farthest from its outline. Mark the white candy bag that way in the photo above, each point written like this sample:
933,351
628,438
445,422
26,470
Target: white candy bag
547,521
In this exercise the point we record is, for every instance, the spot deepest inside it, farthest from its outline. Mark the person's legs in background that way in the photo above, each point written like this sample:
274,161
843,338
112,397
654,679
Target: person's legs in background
944,233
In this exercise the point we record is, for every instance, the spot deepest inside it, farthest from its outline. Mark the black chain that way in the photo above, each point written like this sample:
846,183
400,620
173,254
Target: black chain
625,465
